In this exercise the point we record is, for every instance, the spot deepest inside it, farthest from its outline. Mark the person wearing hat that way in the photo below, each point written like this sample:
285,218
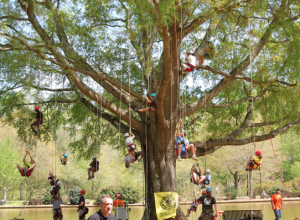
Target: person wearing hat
56,202
183,146
207,179
276,202
209,52
132,156
256,161
118,202
81,205
64,159
191,63
38,122
195,205
94,167
152,103
208,201
106,204
28,167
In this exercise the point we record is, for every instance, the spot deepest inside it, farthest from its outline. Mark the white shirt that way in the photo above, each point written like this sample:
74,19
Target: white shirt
128,159
191,60
129,141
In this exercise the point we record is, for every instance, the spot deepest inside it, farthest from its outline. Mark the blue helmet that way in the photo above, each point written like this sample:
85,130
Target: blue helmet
184,132
66,155
153,95
210,41
209,189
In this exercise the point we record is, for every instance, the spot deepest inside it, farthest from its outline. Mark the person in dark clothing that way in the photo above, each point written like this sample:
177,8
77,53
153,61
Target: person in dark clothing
207,204
81,205
51,179
38,122
94,167
56,188
152,103
106,204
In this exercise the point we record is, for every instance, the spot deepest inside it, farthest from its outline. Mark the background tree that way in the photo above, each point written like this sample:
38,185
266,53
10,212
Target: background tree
82,62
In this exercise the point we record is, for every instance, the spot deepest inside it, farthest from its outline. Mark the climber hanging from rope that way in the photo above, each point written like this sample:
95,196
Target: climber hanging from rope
51,179
64,159
196,176
209,52
28,167
38,122
152,103
94,167
183,146
207,178
256,161
56,188
132,156
190,64
195,204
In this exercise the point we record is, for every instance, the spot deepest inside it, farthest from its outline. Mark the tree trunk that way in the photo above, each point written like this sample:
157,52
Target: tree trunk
22,191
4,194
236,180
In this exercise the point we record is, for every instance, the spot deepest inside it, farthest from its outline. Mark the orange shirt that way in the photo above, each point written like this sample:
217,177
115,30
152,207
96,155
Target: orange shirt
277,200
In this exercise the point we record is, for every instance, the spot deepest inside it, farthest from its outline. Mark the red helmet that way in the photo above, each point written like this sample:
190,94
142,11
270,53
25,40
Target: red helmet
36,108
83,191
258,152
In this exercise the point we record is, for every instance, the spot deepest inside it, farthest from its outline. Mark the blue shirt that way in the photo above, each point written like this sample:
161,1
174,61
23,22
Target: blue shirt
186,141
179,139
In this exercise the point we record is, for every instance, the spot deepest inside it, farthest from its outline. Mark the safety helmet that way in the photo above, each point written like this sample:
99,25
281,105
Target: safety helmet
126,135
83,191
203,192
59,183
184,132
94,157
36,108
208,170
210,41
65,155
153,95
118,195
258,152
209,189
191,53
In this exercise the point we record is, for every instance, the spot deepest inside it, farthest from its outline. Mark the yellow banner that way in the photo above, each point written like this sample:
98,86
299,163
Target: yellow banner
166,204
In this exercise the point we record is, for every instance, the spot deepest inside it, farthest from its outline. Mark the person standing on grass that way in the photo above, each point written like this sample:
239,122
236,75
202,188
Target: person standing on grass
106,204
276,202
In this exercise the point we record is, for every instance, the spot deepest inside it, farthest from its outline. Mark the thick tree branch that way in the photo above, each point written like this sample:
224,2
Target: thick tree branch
14,18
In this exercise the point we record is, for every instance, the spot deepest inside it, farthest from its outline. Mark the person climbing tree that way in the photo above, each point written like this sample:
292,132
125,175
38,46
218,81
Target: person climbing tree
51,179
190,64
28,168
207,178
196,177
81,205
152,103
256,161
195,205
64,159
182,144
209,52
57,212
94,167
131,157
56,188
207,204
38,122
131,146
118,202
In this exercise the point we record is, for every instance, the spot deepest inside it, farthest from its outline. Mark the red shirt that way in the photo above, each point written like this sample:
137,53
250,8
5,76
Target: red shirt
118,203
277,200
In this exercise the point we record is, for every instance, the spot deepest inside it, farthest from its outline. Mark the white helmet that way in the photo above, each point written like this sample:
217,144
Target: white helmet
58,183
208,170
126,135
94,157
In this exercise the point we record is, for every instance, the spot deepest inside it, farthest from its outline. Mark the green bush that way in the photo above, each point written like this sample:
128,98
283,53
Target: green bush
231,192
47,196
74,195
272,190
130,195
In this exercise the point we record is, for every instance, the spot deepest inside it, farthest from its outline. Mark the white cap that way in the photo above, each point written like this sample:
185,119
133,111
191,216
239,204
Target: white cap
126,135
208,170
94,157
58,183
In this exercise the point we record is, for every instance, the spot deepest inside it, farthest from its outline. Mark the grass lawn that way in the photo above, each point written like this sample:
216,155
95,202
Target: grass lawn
14,203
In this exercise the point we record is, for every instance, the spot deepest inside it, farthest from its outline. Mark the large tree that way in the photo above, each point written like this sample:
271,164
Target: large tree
100,58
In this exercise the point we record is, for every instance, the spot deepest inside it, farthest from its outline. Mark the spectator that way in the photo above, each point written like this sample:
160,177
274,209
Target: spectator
81,205
276,202
106,204
118,202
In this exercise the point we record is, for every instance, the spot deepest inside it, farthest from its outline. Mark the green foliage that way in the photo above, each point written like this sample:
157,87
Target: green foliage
74,195
231,192
272,190
129,194
47,196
